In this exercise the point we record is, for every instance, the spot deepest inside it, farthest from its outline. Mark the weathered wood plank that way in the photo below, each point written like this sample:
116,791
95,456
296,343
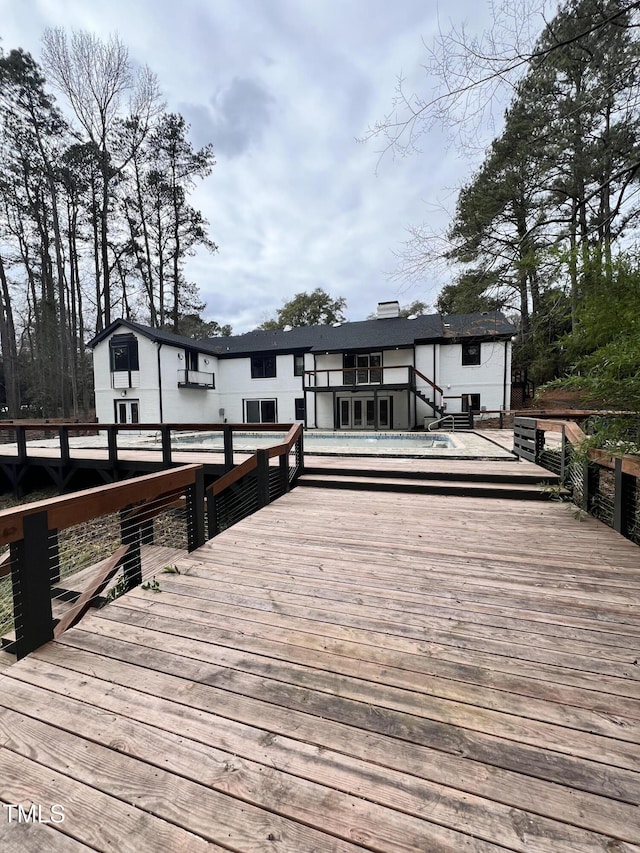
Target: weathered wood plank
269,738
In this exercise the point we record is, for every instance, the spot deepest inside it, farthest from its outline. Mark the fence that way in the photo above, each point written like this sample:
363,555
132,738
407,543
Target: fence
255,483
606,486
63,553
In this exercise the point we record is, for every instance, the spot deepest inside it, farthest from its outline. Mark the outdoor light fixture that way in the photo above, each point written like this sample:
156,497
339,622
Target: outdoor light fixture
123,393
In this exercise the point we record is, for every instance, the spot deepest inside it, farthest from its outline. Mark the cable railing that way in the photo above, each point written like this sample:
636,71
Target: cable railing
64,552
255,482
601,483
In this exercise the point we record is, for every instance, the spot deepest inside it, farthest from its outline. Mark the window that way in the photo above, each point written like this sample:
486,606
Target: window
363,369
471,402
263,367
298,365
470,354
191,359
123,351
261,412
300,409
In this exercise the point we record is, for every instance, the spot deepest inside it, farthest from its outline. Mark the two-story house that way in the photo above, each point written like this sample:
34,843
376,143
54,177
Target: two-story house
386,373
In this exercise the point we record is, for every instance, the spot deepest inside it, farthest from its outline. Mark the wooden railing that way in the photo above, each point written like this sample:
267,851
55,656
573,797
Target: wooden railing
394,374
600,482
19,430
31,571
255,482
32,533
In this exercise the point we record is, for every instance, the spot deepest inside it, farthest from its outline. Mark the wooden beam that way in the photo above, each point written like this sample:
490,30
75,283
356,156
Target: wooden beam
93,589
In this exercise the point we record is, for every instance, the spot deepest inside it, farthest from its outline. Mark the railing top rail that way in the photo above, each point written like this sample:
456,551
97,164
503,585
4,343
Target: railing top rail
630,464
152,427
68,510
428,381
289,440
234,475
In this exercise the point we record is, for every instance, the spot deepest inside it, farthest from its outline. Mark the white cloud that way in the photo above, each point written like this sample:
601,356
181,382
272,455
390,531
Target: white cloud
282,90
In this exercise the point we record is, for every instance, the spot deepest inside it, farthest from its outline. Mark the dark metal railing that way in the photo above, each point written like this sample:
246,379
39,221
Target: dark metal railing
600,483
255,483
44,561
46,539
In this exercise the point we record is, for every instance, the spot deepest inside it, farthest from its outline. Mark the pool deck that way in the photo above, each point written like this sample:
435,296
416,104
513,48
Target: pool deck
347,671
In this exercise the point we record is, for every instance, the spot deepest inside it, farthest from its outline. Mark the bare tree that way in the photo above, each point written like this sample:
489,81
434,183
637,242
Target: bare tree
98,79
470,79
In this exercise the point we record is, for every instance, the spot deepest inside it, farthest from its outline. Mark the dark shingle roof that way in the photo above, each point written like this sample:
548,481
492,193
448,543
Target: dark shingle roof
363,335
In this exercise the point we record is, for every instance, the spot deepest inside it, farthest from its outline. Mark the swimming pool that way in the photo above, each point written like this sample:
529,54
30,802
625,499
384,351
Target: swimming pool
350,443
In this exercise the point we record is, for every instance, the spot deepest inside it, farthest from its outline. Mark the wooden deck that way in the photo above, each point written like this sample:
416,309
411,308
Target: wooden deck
347,670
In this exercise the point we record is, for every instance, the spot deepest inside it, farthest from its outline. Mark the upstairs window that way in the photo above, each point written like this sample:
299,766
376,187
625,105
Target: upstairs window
123,351
298,365
263,366
470,354
191,359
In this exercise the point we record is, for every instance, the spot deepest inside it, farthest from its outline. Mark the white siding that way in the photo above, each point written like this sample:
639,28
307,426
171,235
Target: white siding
237,385
485,378
146,390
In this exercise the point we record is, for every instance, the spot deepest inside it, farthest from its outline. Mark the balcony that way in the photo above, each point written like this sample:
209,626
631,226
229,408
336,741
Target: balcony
125,379
195,379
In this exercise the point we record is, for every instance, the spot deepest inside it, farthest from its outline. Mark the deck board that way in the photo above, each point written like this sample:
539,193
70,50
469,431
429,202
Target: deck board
342,671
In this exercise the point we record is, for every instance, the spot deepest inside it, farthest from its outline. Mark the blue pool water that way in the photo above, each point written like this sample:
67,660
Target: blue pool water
378,443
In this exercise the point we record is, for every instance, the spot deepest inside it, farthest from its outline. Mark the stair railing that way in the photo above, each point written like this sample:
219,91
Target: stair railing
442,420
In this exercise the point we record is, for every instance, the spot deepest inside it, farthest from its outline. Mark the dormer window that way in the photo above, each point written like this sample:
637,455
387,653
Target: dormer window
123,351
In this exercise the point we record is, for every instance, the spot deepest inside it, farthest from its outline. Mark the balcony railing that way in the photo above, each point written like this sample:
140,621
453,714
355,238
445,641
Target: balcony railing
125,379
195,379
336,377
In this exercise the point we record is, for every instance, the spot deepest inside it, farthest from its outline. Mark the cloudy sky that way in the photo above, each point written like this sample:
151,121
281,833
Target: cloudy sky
283,89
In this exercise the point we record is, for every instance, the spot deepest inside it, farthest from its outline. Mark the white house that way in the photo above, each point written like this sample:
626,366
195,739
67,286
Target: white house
386,373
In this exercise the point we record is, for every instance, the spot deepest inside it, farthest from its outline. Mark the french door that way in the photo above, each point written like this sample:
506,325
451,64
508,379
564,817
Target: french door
360,413
127,412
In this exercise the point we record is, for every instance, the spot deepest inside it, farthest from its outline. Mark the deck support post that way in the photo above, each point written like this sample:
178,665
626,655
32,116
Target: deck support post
30,573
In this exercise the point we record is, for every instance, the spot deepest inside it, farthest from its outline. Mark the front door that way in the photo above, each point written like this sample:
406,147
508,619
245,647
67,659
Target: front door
360,413
127,412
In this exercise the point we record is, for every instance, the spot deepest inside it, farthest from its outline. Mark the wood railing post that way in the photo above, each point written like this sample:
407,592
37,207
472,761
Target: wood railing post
21,441
195,512
63,434
563,455
262,477
132,563
227,435
112,443
30,573
539,441
165,434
